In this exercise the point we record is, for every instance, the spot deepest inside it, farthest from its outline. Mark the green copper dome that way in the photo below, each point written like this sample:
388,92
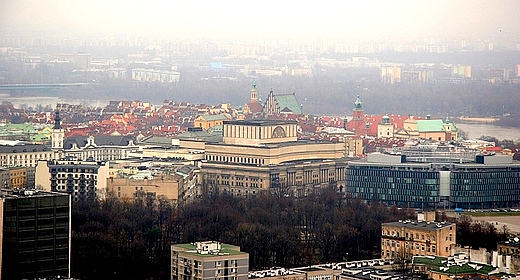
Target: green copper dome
357,104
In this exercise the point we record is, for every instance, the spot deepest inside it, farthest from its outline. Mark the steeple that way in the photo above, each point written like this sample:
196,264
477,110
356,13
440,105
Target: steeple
254,93
57,120
358,104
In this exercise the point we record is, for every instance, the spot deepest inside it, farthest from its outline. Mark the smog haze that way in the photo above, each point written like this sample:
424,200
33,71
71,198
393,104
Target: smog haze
261,19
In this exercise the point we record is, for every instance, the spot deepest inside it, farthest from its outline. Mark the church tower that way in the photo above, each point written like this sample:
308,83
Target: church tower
58,133
357,123
254,94
358,112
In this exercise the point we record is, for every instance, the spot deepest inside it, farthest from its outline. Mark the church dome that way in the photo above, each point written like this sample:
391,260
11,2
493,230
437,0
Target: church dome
358,103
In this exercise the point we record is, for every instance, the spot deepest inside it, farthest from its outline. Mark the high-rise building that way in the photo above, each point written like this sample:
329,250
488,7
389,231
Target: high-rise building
208,260
35,235
390,74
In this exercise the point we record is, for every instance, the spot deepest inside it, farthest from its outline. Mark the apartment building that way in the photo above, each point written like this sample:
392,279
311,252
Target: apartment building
405,239
208,260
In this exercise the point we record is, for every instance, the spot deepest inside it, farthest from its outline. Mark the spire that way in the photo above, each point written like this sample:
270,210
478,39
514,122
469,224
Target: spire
358,104
57,120
254,93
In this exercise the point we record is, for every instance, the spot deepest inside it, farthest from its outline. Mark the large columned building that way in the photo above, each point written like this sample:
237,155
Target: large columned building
265,155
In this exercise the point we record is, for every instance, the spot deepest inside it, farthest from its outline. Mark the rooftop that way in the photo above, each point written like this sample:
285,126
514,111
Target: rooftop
260,122
431,226
219,249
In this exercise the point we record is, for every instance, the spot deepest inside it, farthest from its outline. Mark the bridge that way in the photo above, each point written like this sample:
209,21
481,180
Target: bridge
12,87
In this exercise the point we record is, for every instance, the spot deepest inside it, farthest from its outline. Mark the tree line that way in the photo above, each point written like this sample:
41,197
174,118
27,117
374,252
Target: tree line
131,240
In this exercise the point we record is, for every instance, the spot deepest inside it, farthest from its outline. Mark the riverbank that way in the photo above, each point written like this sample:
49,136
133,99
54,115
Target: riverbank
476,120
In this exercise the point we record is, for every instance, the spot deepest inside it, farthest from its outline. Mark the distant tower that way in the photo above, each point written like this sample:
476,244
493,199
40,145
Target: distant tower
357,124
58,133
385,129
254,94
240,113
358,113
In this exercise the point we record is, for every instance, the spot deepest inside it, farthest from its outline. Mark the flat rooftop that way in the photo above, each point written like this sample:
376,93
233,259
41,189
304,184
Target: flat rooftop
226,249
432,226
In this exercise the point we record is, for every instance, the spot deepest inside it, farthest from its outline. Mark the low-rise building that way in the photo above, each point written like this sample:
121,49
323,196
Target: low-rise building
457,267
405,239
208,260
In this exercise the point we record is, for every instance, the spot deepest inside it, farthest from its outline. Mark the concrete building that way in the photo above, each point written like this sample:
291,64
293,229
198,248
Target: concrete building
145,184
405,239
390,74
435,176
81,179
35,234
265,155
152,75
208,260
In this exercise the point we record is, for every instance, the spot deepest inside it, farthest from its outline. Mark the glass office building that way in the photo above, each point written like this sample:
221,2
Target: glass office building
486,182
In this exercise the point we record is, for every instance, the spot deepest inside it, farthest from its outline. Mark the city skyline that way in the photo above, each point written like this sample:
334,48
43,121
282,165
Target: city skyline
274,20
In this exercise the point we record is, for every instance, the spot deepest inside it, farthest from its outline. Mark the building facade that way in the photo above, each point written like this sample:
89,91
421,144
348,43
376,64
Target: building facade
17,153
405,239
36,234
265,155
82,180
208,260
436,178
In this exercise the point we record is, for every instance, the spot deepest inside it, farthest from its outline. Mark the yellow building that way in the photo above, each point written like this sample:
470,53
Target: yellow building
144,184
17,177
417,238
209,121
262,155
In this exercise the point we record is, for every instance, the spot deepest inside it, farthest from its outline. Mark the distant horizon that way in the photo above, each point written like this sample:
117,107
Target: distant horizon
274,20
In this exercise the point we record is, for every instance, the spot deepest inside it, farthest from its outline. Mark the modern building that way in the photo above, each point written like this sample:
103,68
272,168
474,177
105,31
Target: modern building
208,260
265,155
83,180
405,239
36,234
390,74
435,176
152,75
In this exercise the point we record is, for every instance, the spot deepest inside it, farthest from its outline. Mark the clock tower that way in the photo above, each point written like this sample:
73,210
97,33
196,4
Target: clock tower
58,133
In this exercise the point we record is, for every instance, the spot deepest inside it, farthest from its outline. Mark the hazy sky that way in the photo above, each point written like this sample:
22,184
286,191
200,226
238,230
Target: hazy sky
268,18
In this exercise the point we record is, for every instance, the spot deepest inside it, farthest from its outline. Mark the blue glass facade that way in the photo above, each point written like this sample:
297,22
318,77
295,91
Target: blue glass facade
474,186
485,187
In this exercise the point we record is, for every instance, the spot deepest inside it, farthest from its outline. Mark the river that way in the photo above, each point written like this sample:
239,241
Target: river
501,133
